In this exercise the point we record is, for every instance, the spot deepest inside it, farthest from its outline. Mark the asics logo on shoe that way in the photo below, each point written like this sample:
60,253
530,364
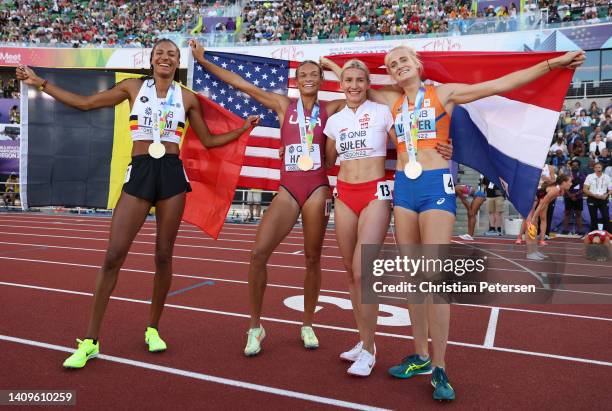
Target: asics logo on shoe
440,201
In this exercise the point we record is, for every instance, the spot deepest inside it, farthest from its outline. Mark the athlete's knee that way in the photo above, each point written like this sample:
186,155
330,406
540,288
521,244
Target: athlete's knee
313,259
259,256
163,257
113,260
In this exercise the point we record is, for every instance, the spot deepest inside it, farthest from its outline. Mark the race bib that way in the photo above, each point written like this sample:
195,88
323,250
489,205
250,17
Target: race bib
293,153
383,191
426,122
353,144
449,186
128,173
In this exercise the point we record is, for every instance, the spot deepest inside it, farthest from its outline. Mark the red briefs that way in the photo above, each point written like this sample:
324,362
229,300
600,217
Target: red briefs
357,196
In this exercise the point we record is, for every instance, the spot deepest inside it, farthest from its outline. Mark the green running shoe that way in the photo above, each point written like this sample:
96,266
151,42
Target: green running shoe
254,338
154,341
443,390
309,338
85,351
411,366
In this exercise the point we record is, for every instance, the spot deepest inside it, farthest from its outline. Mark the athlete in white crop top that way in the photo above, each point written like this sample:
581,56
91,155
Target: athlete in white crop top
358,134
142,116
159,181
361,133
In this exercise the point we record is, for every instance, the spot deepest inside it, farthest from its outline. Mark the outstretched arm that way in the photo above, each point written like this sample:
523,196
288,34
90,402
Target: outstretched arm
107,98
458,93
386,95
209,140
273,101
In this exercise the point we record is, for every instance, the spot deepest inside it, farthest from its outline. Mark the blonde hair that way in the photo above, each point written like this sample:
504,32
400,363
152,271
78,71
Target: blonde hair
355,64
411,52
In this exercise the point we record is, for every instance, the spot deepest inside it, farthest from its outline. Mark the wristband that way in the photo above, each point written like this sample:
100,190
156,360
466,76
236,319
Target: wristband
42,86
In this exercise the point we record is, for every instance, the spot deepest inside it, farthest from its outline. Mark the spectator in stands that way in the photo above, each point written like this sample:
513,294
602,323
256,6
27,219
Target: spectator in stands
596,146
559,144
577,109
584,121
558,160
495,207
598,187
606,124
594,109
573,198
604,159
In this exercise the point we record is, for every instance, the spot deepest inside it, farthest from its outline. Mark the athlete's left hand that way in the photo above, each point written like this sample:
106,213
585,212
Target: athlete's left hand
445,150
250,121
571,59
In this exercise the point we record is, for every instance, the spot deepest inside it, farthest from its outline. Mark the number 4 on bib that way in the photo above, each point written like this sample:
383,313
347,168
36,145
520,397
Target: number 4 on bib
449,187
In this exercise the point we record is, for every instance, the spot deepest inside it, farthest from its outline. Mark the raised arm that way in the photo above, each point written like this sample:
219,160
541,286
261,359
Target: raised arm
273,101
385,95
196,121
458,93
106,98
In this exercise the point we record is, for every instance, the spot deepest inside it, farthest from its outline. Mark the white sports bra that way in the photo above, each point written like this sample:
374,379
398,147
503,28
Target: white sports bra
361,134
141,117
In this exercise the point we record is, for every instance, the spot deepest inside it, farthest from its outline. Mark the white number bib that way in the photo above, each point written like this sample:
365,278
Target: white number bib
293,153
383,191
449,186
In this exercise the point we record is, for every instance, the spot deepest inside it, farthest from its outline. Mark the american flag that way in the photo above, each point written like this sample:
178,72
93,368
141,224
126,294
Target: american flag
261,164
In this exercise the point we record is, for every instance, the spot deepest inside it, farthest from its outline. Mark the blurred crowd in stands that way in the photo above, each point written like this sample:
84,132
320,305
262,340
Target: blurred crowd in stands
82,23
86,23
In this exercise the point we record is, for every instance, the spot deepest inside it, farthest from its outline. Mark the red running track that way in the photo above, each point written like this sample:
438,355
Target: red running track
531,357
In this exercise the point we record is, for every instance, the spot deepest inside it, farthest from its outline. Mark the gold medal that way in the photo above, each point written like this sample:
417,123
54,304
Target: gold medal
157,150
413,169
305,163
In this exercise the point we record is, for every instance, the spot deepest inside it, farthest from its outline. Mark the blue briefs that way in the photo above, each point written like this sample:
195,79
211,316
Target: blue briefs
432,190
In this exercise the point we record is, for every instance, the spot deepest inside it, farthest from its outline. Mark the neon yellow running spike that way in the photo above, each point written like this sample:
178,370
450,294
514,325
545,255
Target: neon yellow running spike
153,340
309,338
254,338
86,350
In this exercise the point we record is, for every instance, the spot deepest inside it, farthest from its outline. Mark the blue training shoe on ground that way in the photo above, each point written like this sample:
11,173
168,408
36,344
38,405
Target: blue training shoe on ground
411,366
443,390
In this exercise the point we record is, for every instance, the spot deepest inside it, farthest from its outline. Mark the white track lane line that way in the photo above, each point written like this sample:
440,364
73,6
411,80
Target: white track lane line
329,327
300,288
203,377
489,340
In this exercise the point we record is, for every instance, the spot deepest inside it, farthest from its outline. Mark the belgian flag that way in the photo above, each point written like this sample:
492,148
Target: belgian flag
74,158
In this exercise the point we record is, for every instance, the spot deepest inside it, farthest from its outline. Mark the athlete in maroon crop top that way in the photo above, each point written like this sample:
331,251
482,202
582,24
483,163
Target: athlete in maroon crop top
301,184
305,192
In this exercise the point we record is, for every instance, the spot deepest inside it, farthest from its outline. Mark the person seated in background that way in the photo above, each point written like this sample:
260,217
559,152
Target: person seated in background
596,146
604,159
10,190
558,160
559,144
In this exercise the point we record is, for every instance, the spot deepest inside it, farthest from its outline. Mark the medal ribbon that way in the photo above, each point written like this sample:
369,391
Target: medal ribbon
411,125
159,122
307,133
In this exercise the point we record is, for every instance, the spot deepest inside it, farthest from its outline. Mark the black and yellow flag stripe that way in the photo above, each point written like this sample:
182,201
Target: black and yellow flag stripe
70,157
